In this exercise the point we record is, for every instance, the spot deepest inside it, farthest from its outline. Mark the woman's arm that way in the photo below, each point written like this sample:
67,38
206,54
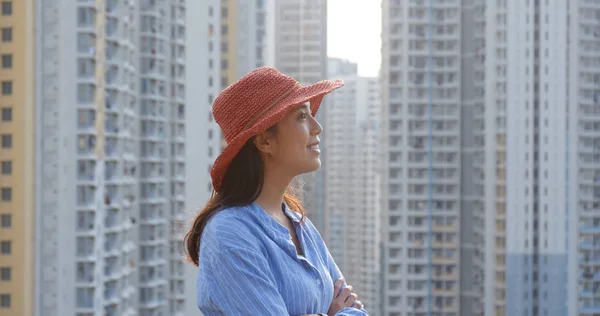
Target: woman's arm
241,283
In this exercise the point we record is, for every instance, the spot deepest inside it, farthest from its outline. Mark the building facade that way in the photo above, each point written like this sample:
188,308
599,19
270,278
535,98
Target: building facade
17,132
428,185
526,106
116,101
553,223
352,174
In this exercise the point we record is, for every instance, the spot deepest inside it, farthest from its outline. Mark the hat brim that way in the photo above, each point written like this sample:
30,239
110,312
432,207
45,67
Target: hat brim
312,93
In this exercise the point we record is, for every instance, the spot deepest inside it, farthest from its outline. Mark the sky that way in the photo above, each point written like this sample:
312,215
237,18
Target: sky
354,33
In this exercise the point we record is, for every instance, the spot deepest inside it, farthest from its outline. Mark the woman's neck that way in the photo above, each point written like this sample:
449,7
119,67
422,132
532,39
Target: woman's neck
273,190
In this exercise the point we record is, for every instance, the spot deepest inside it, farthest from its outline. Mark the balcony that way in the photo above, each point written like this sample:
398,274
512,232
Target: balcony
153,47
85,298
85,272
110,290
111,6
86,95
86,195
112,243
111,28
112,52
111,124
85,247
86,121
86,170
150,234
86,222
111,147
112,77
86,18
86,70
112,219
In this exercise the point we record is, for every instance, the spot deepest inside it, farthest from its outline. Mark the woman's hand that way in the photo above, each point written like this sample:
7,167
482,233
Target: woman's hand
345,299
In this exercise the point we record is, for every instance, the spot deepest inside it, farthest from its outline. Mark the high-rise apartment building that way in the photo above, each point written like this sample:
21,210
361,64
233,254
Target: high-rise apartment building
352,173
110,91
489,233
426,89
552,174
301,52
538,232
527,163
366,266
17,137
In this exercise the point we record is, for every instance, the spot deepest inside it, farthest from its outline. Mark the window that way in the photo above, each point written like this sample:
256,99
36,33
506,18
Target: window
224,29
224,64
6,61
224,47
5,247
6,221
6,114
7,87
7,167
5,274
6,194
210,134
224,12
6,8
7,34
6,141
4,300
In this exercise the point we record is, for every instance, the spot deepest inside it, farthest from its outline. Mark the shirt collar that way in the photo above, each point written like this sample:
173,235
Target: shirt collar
293,215
269,222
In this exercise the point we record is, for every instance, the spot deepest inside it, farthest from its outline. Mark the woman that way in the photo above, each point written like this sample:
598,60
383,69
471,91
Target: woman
257,253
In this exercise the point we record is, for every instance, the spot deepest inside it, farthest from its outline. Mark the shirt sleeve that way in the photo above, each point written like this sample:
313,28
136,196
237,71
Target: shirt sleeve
242,284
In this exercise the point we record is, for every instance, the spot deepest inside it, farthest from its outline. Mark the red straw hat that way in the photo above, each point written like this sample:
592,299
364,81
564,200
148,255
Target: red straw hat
256,102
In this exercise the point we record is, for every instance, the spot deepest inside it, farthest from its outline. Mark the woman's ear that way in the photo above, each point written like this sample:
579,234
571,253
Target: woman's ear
264,142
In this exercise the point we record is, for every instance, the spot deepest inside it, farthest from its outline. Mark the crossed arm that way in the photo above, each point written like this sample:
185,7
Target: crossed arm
247,286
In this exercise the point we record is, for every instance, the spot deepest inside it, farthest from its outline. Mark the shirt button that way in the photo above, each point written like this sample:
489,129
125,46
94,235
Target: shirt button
319,282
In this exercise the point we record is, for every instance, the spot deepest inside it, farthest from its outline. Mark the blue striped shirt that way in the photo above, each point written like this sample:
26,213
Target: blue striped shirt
249,266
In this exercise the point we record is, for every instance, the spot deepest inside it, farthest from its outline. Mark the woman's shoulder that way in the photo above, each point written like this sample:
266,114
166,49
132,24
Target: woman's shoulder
228,228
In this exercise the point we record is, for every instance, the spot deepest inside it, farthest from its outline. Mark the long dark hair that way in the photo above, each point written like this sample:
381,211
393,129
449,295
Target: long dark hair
242,185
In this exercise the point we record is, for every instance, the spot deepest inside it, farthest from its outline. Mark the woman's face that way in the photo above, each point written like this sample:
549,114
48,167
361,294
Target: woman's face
294,148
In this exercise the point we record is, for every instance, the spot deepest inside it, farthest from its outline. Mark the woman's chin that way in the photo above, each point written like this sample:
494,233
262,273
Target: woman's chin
312,166
315,165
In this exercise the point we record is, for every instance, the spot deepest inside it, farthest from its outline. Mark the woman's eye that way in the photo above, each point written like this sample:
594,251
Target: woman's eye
302,116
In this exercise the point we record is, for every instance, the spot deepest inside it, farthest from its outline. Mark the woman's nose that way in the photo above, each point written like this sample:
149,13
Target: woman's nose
316,127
